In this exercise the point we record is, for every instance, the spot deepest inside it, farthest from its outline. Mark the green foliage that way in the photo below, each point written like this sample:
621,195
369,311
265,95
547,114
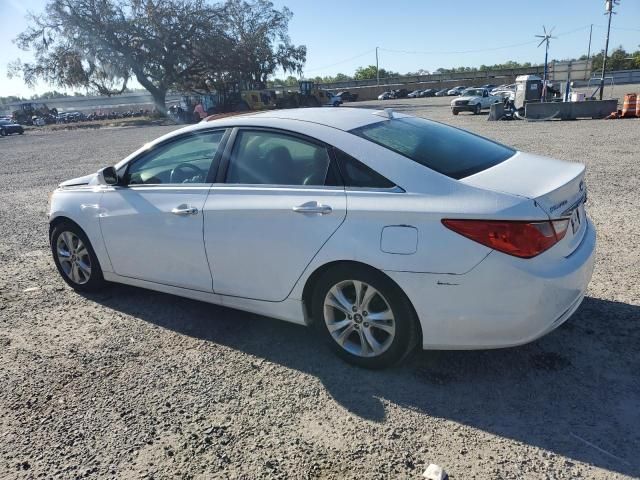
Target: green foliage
370,72
618,59
170,44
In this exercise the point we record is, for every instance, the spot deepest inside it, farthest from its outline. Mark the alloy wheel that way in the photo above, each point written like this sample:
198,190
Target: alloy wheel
73,257
359,318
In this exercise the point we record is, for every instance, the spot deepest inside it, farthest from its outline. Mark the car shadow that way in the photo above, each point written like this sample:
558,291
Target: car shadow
575,392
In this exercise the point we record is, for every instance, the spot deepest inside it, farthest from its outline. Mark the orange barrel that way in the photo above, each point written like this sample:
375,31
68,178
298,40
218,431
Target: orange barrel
630,105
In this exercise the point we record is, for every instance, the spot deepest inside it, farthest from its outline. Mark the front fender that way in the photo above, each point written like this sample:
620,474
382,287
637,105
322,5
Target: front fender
82,206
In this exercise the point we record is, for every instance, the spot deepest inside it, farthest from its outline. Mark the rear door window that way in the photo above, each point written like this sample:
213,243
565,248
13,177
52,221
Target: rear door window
272,158
447,150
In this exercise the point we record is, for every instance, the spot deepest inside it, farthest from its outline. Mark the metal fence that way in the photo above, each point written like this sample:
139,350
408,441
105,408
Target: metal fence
580,71
437,77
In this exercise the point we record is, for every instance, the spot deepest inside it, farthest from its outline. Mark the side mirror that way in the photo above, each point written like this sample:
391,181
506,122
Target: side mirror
107,176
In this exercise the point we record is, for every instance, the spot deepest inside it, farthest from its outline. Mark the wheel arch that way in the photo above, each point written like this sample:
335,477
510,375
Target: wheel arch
310,283
93,234
53,223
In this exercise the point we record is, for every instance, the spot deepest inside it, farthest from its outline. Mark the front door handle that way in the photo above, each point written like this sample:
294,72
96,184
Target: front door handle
184,210
313,208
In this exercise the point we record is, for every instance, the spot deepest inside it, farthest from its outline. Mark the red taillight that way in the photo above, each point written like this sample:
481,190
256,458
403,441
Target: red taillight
521,239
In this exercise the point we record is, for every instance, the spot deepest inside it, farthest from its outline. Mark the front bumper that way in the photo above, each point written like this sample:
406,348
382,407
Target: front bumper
504,301
464,108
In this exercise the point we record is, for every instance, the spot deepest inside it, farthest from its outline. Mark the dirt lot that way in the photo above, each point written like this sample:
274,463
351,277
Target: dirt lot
135,384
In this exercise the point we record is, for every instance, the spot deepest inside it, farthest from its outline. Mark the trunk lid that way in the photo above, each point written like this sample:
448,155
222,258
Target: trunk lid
556,186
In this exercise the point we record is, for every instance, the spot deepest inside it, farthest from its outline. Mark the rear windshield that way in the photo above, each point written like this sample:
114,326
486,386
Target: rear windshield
447,150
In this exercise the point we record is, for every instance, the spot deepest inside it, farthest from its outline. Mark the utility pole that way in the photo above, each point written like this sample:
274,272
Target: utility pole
609,11
377,69
589,50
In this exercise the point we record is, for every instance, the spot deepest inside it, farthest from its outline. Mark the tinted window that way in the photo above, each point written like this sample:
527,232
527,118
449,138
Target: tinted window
445,149
261,157
357,174
186,160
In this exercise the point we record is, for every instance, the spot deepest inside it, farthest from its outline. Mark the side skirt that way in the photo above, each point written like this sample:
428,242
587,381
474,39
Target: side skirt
289,310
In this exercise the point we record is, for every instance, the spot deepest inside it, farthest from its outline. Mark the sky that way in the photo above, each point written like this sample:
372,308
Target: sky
342,35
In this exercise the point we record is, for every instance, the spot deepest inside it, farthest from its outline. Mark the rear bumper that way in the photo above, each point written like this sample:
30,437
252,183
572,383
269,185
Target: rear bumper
502,302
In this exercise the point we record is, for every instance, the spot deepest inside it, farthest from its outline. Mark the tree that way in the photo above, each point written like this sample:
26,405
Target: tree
370,72
260,39
619,59
164,44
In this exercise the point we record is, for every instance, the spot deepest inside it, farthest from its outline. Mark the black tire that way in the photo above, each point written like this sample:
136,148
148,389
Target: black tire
95,280
477,110
21,132
3,132
455,112
406,322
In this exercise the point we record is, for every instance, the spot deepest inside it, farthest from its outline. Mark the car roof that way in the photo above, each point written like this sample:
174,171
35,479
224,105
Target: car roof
342,118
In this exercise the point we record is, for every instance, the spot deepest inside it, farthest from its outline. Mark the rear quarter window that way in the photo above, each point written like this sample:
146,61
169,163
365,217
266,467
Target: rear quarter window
447,150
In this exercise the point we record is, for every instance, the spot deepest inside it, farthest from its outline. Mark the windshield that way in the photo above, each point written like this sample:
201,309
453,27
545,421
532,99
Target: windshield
473,92
447,150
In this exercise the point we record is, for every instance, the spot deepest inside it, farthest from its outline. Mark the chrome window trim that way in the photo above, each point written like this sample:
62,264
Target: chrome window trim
394,189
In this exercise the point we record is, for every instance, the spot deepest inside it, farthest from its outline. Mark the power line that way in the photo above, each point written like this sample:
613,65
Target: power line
626,29
368,52
453,52
459,52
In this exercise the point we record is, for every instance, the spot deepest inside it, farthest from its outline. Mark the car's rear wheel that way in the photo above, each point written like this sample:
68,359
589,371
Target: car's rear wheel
3,132
74,257
365,317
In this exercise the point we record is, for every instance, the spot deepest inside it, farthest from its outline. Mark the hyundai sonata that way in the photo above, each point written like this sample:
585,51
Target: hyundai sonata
383,231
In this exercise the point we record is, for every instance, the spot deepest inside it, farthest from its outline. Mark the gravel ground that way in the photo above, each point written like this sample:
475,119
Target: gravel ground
134,384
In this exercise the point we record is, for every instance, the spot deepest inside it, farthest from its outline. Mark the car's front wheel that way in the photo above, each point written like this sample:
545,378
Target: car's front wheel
455,112
364,316
478,109
74,257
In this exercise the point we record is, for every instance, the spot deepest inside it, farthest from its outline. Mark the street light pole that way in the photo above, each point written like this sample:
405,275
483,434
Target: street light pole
377,69
589,50
609,7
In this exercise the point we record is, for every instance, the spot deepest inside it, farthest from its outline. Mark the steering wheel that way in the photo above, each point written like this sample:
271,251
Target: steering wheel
175,172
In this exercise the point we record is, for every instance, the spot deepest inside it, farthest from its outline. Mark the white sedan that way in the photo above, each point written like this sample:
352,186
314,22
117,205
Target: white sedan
381,230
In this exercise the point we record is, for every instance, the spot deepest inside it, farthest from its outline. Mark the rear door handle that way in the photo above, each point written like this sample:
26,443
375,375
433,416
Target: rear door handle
184,210
313,208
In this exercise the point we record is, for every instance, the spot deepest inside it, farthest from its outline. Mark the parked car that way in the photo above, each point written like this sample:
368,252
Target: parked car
7,127
429,92
414,94
400,93
347,96
488,86
505,92
442,93
386,96
326,217
455,91
333,100
473,100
